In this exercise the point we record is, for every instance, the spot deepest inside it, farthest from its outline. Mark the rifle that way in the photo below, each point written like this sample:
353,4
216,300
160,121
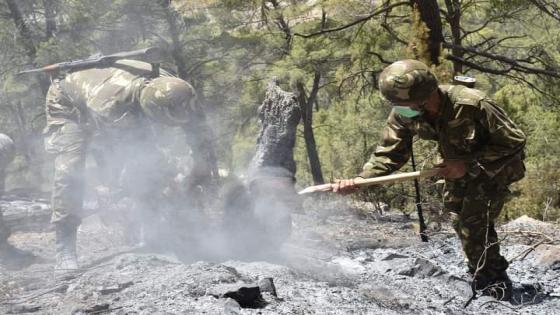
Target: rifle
151,55
376,180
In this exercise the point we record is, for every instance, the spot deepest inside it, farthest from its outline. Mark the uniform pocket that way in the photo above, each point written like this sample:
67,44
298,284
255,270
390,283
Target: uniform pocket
64,138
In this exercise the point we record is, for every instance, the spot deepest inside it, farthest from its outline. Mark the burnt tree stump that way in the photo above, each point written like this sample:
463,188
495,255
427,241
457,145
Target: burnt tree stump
279,116
259,212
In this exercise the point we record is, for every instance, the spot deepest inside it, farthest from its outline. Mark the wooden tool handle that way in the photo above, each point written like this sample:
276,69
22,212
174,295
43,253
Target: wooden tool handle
359,182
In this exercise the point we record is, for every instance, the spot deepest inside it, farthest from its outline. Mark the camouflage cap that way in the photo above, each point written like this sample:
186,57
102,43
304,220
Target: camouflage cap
407,81
168,100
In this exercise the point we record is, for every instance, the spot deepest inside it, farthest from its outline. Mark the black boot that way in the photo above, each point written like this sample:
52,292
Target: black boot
498,286
66,258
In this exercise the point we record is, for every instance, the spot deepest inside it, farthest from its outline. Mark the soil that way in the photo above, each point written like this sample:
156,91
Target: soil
342,258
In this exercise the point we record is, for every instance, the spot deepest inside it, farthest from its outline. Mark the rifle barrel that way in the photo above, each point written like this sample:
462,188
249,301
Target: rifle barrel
151,54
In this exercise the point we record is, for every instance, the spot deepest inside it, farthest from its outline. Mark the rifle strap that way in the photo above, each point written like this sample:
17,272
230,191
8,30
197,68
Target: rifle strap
155,70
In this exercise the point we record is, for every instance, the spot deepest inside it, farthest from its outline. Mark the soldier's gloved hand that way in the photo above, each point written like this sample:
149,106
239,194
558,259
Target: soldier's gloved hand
452,169
344,186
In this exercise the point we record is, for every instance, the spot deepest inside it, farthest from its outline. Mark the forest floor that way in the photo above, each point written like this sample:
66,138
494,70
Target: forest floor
342,258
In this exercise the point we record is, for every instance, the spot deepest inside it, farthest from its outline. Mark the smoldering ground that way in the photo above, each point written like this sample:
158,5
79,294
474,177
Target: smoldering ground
143,185
341,258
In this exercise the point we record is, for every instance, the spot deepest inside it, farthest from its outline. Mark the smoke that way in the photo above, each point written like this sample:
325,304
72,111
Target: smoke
140,180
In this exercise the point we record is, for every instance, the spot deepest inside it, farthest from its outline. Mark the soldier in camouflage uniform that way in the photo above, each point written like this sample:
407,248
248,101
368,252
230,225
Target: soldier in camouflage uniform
115,108
10,256
7,153
482,151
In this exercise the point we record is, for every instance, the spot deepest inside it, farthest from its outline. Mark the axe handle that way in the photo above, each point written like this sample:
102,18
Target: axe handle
394,178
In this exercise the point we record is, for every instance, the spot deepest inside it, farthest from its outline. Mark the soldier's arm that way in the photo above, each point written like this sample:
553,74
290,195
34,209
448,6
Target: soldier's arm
200,139
504,139
393,152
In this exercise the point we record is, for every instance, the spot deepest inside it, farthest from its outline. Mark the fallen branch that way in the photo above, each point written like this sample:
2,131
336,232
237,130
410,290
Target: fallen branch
528,250
500,303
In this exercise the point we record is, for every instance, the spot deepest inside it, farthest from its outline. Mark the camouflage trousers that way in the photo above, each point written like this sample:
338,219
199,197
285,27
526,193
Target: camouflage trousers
68,143
138,170
475,205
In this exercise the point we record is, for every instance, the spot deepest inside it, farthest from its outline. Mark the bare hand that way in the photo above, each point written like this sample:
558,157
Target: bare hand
344,186
452,169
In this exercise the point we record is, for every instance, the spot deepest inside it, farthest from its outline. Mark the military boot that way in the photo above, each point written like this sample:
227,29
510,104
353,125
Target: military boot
66,258
498,286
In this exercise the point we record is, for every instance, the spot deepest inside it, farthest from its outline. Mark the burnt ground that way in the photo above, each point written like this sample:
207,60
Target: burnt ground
341,259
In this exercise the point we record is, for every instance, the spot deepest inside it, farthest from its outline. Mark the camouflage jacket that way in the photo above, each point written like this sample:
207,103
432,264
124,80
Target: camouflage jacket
99,96
470,127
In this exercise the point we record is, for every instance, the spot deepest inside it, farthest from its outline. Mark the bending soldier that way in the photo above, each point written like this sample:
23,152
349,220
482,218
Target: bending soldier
10,256
116,107
482,151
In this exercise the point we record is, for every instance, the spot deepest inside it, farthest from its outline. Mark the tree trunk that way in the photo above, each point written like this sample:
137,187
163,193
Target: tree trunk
429,13
306,104
26,39
50,18
454,20
279,116
176,51
23,29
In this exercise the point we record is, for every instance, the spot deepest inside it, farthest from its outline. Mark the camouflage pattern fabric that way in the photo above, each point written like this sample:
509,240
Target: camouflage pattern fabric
407,81
101,103
7,154
472,128
475,204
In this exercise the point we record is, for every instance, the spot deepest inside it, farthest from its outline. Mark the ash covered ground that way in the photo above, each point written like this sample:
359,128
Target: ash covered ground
342,258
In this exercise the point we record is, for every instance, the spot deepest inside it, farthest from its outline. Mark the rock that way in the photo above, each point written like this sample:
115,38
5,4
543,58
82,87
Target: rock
98,308
20,309
247,297
526,223
422,269
548,256
371,243
267,285
384,296
231,307
114,288
392,256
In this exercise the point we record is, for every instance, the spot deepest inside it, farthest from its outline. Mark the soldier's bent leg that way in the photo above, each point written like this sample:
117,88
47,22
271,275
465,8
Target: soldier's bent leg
475,226
68,143
67,198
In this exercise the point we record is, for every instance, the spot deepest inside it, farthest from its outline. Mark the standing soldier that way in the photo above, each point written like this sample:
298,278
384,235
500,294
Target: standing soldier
482,151
10,256
118,108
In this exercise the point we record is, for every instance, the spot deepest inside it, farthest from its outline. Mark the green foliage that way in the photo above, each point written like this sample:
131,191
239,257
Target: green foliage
232,48
537,195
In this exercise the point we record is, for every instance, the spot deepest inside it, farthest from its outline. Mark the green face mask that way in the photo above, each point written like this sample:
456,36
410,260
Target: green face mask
407,111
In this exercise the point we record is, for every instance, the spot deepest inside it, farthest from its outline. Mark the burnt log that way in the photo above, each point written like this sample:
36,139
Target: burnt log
278,116
18,214
24,216
272,170
258,213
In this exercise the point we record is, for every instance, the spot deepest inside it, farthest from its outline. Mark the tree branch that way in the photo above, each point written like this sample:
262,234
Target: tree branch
513,63
356,22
